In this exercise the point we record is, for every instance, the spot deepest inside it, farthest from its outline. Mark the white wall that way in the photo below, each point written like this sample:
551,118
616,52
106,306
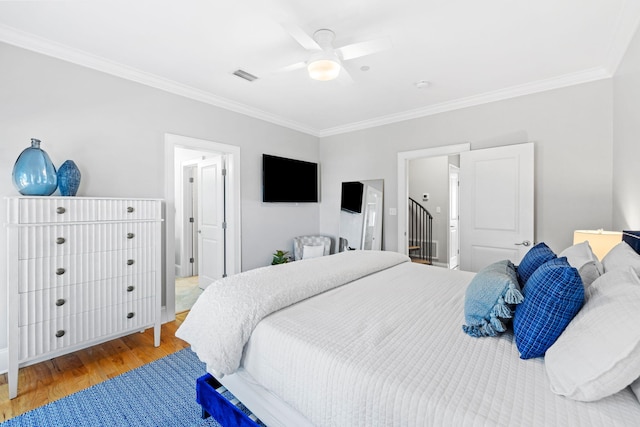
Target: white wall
114,130
626,145
572,132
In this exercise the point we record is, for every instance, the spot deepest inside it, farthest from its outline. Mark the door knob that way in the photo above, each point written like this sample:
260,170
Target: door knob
524,243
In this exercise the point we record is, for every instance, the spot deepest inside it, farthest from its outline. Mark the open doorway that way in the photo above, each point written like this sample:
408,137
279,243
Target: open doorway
430,207
202,217
199,230
495,209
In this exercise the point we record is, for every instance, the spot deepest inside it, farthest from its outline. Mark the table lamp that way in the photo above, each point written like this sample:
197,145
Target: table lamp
601,241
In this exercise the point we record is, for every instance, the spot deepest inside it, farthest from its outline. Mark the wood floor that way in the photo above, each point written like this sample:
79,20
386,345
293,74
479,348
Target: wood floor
51,380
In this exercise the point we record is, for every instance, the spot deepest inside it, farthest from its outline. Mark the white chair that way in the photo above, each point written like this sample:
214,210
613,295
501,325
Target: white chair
312,244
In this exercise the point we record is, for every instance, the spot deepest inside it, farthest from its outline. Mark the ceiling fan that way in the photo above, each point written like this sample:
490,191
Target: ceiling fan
325,61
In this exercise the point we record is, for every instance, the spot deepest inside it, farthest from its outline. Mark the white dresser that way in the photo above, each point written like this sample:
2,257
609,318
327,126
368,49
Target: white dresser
80,271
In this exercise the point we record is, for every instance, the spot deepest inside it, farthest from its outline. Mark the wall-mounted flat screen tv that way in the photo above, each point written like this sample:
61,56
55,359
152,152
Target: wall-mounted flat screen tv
288,180
351,200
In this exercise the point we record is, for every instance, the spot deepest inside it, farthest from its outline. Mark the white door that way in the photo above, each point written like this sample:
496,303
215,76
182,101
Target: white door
496,205
189,253
210,221
454,234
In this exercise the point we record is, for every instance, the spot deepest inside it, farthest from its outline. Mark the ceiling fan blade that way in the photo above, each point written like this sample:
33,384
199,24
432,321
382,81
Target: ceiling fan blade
344,77
292,67
357,50
304,39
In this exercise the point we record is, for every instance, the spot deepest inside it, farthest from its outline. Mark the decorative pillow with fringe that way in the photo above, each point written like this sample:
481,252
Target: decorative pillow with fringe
489,299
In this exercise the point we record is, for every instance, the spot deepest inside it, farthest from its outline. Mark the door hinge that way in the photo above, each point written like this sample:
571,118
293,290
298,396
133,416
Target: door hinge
192,260
191,220
191,180
224,172
224,225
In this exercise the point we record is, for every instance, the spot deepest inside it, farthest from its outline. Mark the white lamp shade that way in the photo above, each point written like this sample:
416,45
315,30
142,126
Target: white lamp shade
323,69
601,241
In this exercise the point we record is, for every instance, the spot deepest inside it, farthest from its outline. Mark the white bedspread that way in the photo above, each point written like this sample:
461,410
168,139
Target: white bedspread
224,316
388,350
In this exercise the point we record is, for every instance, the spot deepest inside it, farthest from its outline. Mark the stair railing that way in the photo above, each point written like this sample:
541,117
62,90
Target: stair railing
420,232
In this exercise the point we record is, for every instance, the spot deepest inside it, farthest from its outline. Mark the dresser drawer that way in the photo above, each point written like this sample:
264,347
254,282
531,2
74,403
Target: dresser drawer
56,240
69,209
51,303
44,273
45,337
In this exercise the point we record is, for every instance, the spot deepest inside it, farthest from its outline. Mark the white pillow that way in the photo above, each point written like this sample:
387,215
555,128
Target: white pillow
621,257
582,258
598,354
309,251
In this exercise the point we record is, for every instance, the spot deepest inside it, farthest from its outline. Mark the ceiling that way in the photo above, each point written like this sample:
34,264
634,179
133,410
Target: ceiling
471,52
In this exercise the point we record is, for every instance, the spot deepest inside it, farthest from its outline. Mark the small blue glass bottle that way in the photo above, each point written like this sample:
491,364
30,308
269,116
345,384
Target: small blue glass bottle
34,173
68,178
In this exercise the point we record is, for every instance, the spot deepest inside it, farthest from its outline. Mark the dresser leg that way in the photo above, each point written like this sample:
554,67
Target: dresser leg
156,335
12,379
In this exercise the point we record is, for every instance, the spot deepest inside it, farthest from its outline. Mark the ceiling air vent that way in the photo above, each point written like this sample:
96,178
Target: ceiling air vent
244,75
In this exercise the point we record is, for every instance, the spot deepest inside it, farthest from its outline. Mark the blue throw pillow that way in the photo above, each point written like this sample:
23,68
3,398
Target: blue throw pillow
552,297
487,299
537,255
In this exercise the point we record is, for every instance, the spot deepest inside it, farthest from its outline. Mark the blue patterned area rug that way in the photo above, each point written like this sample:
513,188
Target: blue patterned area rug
161,393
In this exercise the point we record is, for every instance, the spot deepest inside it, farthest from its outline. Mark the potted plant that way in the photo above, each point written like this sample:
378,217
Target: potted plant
280,257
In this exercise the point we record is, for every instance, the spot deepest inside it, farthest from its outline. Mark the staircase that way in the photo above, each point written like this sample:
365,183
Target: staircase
420,233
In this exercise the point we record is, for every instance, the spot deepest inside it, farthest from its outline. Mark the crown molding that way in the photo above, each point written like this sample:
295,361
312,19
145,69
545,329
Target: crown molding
585,76
625,28
57,50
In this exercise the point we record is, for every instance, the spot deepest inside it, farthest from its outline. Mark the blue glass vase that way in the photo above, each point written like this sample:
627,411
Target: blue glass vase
68,178
34,173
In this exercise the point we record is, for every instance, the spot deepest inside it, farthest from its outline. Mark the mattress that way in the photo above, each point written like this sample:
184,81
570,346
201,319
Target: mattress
388,350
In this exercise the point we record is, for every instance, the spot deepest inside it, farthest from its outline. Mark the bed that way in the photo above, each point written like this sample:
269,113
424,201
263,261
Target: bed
370,339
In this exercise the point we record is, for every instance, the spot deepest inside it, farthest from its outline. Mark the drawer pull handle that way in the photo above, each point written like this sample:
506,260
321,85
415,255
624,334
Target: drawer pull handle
130,235
60,302
130,315
60,333
60,240
130,288
130,262
130,209
60,271
61,210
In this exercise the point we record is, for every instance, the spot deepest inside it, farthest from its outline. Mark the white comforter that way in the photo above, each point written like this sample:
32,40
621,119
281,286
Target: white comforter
388,350
224,316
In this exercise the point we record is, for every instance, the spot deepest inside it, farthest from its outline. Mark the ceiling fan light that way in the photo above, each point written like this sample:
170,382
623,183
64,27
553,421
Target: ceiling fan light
323,69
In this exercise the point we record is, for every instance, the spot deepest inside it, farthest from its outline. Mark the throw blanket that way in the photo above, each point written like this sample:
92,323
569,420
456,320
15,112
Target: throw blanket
224,316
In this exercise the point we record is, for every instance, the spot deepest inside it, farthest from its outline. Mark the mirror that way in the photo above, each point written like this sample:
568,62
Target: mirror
361,207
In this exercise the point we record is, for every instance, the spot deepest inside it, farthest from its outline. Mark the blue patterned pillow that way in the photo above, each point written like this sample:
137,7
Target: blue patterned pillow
486,299
552,297
537,255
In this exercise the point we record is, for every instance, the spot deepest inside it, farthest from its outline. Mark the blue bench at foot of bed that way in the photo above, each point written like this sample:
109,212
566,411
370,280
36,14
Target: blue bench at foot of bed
209,395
